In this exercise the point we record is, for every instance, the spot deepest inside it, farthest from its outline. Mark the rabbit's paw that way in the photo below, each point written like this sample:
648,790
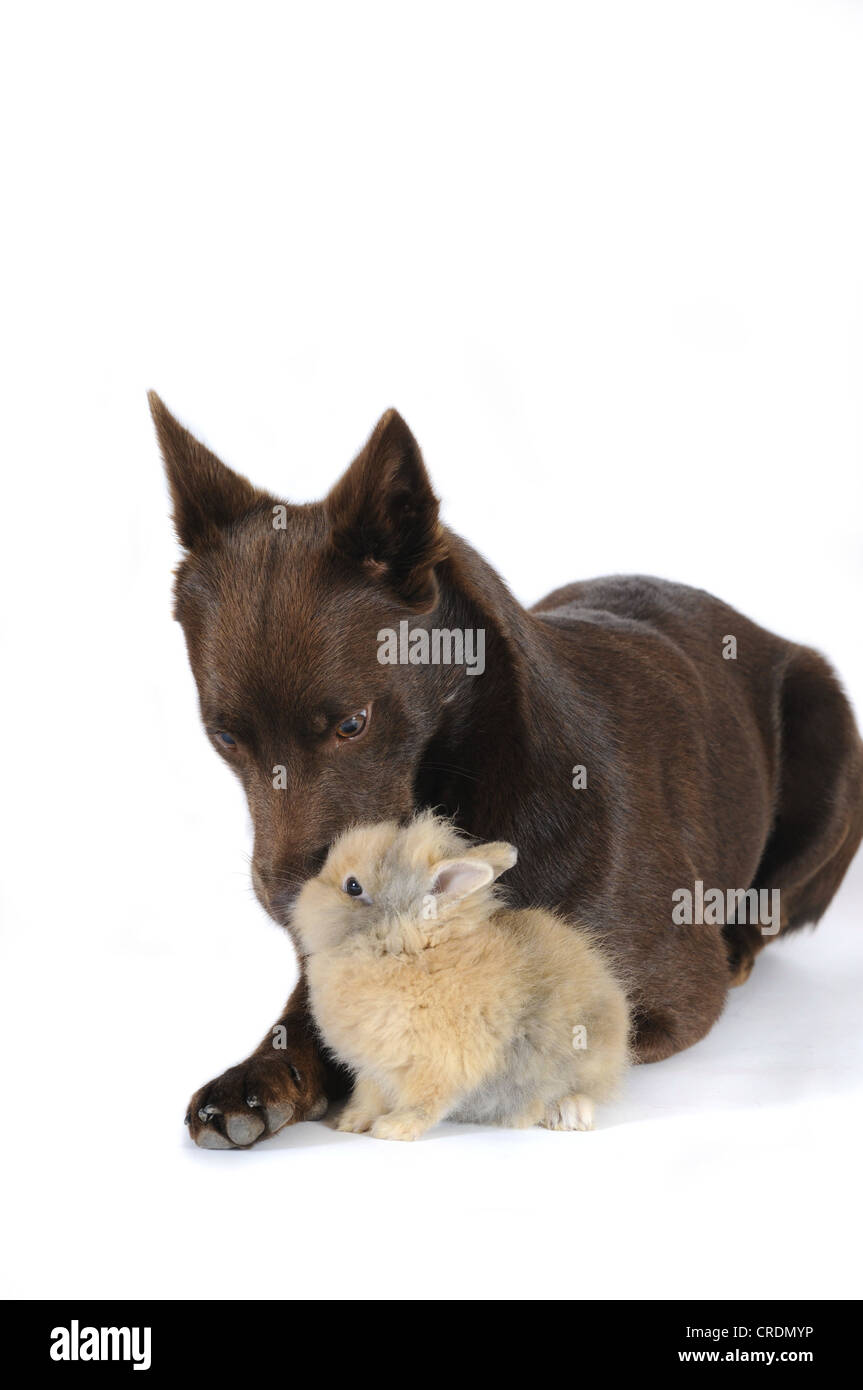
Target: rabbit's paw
356,1119
400,1124
572,1112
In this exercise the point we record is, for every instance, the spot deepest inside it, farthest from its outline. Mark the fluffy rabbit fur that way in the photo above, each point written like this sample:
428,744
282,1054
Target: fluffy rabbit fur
445,1002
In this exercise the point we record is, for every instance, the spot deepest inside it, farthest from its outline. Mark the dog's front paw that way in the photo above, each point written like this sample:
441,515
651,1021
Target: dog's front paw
252,1101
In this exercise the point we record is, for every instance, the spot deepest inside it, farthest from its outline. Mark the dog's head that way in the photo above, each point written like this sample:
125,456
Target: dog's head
281,606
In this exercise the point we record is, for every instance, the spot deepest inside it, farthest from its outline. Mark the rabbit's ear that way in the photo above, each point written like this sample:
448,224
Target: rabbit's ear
499,855
455,879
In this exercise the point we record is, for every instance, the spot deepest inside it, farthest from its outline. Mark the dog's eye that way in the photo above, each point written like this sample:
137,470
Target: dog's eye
354,888
353,726
225,739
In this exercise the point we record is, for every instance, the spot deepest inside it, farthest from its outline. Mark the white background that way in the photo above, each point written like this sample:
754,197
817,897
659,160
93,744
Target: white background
606,259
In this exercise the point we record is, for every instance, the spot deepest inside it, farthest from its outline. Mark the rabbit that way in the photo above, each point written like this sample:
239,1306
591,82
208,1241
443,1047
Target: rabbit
444,1002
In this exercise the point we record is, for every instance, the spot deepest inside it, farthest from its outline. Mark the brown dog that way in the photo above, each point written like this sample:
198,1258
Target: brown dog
633,738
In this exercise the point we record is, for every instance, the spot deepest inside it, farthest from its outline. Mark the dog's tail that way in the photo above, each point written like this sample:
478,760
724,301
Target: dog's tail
818,823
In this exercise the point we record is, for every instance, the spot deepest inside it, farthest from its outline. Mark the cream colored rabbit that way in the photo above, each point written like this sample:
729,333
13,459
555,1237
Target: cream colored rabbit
443,1001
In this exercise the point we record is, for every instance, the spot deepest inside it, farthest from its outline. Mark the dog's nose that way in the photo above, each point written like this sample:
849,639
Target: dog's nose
277,887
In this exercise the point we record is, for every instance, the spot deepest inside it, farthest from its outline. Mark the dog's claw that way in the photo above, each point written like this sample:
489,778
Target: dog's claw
252,1101
206,1113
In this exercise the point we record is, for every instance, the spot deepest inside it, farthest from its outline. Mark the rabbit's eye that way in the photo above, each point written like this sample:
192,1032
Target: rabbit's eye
355,889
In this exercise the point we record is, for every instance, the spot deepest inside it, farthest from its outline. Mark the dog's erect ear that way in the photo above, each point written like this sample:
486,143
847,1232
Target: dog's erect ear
207,495
384,515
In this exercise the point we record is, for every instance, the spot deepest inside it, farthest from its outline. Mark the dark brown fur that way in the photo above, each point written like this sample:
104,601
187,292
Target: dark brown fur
736,772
